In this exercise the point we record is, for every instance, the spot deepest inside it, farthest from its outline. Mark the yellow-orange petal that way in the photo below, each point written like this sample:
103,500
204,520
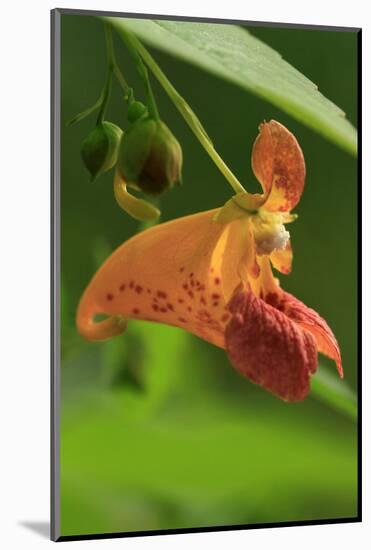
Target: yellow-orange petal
181,273
136,208
248,266
278,163
282,259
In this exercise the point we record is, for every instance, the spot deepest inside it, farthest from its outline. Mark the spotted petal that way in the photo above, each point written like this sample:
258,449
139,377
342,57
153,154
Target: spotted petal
278,163
312,322
180,273
267,347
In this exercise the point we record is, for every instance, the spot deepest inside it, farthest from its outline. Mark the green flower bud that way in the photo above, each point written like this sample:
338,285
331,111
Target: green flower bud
136,110
150,157
100,148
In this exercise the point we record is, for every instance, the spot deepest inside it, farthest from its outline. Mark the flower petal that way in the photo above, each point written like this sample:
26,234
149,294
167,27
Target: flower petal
262,158
278,164
268,348
136,208
282,259
180,273
247,260
311,321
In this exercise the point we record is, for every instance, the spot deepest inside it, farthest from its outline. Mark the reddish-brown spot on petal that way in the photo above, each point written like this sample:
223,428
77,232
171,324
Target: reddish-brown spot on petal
189,308
109,296
136,311
217,280
180,301
122,287
138,289
185,286
161,294
203,313
215,296
190,294
224,317
149,291
170,307
203,301
131,284
163,309
182,319
274,299
181,269
155,307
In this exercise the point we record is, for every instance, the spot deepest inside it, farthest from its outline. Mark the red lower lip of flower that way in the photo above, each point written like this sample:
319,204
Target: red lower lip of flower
275,344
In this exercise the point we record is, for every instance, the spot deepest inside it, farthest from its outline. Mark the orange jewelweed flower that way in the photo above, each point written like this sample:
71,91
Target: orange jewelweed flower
210,274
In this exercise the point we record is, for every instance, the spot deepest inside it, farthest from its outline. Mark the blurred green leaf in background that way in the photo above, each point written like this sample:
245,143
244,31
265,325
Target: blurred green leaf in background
157,430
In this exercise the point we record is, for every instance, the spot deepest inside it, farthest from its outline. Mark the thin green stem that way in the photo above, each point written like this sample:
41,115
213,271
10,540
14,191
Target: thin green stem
142,69
112,68
111,56
106,93
327,388
184,109
151,102
87,112
143,72
121,80
109,44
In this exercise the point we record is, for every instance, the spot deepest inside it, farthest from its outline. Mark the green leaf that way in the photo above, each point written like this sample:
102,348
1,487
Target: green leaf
232,53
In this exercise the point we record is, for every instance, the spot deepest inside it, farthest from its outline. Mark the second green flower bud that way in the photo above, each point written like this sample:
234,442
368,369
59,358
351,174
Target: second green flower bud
150,157
100,148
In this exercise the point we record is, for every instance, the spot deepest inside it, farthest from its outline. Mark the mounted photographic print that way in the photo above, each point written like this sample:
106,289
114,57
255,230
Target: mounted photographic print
205,260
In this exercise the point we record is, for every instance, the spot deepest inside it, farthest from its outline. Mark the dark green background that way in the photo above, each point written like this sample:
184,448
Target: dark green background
158,431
